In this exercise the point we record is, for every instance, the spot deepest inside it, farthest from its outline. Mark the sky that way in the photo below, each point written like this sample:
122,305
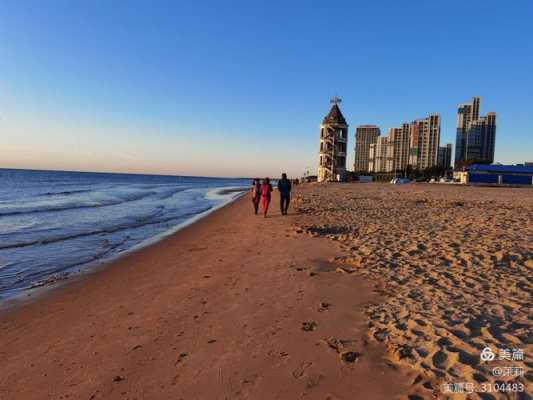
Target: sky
240,88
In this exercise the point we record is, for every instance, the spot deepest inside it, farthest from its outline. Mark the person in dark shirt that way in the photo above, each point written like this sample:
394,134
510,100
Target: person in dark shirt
256,194
284,188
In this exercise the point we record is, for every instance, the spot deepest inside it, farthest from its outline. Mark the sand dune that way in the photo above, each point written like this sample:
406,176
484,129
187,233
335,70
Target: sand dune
454,267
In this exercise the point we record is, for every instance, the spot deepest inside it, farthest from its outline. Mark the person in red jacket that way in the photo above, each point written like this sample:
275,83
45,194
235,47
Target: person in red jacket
256,194
266,190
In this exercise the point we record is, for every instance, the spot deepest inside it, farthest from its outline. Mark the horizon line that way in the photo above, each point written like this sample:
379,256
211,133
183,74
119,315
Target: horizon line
121,173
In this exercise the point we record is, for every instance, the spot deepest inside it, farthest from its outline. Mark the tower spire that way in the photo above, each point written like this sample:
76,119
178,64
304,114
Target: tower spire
335,100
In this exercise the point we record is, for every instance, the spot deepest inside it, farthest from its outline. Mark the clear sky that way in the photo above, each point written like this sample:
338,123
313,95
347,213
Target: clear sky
231,88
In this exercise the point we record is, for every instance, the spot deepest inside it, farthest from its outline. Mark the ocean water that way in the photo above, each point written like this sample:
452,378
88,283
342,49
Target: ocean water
54,224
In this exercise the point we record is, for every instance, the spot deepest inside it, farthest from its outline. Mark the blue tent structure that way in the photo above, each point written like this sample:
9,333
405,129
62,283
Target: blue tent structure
514,175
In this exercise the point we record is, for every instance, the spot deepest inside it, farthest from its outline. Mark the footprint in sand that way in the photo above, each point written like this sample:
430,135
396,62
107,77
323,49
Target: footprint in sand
309,326
439,360
349,356
300,371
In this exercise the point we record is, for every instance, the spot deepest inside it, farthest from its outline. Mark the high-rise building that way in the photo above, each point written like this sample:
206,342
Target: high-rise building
414,138
424,140
476,136
445,156
399,138
381,155
333,141
468,113
365,135
481,138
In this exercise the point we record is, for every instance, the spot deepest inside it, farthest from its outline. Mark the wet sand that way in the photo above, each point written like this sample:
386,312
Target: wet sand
455,269
233,307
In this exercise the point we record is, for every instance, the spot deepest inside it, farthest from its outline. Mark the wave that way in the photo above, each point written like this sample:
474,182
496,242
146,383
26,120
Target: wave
224,193
138,223
71,205
168,194
65,193
116,198
7,265
51,272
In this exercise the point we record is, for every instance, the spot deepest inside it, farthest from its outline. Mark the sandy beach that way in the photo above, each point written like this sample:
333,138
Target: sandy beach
454,265
257,200
233,307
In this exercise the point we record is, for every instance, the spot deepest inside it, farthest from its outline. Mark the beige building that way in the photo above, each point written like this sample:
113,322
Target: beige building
365,135
333,144
424,139
414,137
381,155
399,137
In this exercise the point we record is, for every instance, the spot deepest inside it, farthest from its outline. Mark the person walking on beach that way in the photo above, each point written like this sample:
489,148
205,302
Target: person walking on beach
266,190
284,188
256,194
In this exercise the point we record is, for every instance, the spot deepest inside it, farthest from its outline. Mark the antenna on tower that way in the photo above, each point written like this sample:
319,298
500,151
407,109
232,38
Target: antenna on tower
335,100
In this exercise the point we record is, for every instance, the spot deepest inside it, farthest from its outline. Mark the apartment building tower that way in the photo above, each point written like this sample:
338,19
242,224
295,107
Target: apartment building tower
424,140
481,139
476,136
399,138
365,135
445,156
381,155
414,138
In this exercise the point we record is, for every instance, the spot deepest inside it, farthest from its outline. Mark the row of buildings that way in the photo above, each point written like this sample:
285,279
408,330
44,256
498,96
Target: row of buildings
414,145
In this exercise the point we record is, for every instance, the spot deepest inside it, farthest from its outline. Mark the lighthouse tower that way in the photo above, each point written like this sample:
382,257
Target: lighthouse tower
333,140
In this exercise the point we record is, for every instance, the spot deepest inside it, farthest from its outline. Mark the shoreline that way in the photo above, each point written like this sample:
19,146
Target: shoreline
232,306
32,294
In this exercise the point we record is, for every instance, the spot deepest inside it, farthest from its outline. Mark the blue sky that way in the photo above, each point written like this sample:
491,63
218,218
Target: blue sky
240,88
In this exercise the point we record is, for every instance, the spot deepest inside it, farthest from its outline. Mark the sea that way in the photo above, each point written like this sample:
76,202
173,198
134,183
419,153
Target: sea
54,224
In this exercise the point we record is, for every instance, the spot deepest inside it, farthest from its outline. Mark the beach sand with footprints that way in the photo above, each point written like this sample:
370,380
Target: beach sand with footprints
454,269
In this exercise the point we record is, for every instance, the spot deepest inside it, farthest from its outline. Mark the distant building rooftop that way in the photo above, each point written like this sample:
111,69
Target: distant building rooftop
517,169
